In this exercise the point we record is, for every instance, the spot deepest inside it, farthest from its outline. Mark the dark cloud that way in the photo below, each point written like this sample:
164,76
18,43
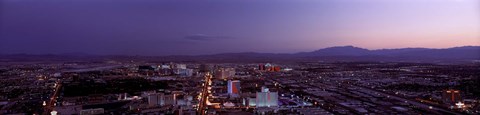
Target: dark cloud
201,37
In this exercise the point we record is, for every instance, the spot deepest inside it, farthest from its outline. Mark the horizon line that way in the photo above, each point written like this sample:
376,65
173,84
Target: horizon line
89,54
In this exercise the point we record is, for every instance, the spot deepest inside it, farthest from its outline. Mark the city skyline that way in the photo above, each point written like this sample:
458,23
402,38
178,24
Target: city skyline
162,28
239,57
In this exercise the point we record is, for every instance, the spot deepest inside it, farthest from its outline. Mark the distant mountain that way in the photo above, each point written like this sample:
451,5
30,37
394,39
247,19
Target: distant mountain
464,53
397,51
339,53
467,53
350,53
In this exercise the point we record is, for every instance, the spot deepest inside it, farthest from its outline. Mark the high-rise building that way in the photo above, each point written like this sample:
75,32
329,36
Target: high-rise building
156,99
233,87
160,99
224,73
152,100
265,98
261,67
451,96
268,67
170,99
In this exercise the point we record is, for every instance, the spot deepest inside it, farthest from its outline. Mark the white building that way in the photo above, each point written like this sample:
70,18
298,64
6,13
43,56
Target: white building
266,98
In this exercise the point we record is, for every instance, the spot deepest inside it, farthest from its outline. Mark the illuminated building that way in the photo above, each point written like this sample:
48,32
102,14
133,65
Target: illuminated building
269,67
53,112
160,99
233,87
460,105
276,68
451,96
265,98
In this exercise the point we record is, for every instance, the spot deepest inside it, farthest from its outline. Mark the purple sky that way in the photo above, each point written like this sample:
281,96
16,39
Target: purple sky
190,27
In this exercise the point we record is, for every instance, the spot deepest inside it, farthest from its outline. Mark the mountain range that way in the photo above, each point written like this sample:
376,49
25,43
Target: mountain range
465,52
351,53
338,53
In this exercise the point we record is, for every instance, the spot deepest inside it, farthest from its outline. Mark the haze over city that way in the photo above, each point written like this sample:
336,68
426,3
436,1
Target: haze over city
187,27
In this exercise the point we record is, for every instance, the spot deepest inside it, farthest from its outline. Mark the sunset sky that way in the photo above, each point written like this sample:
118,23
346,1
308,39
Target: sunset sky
192,27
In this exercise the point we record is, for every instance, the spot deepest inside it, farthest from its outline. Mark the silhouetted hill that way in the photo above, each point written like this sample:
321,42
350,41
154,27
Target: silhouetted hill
338,51
465,53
